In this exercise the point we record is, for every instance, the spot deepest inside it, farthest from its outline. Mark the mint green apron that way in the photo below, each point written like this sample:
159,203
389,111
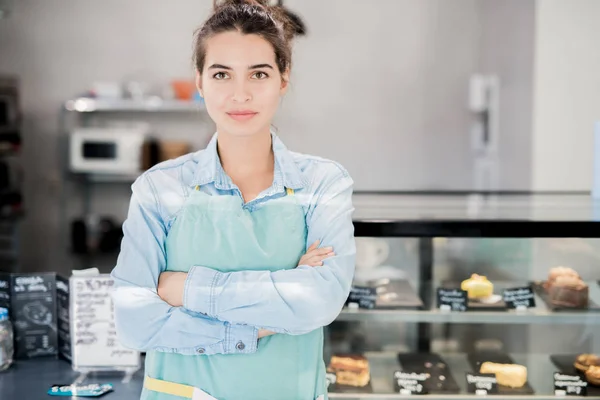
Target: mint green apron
217,232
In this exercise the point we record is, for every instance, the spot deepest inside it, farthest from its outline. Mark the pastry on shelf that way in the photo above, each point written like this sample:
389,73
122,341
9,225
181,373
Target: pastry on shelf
585,361
510,375
350,370
592,375
565,288
478,287
561,271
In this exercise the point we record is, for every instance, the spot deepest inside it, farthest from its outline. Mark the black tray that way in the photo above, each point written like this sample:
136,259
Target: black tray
405,296
538,288
335,388
564,363
477,306
415,362
476,359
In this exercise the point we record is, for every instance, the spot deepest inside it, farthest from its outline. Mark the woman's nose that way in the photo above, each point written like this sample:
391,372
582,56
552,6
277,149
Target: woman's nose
241,93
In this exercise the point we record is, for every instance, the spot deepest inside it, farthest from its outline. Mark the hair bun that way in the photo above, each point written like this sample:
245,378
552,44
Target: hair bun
222,3
292,24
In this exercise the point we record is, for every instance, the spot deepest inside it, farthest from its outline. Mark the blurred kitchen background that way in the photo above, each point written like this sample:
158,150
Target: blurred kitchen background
403,93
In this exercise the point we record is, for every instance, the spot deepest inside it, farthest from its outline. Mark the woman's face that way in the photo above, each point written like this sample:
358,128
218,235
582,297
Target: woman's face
241,83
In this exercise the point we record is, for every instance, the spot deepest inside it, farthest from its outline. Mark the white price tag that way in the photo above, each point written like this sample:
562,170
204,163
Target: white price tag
521,309
481,392
405,392
445,308
560,393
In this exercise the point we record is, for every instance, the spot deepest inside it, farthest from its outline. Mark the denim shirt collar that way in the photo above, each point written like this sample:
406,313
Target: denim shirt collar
286,173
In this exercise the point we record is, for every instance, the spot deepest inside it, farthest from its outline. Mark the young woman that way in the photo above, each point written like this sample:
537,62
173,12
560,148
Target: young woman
222,279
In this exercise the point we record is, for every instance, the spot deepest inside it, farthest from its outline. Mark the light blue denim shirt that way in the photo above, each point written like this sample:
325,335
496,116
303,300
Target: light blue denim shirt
221,309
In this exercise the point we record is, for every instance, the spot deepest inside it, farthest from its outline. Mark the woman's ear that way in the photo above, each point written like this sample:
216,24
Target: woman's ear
199,83
285,81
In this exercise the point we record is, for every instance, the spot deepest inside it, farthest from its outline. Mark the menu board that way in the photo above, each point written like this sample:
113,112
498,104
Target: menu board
94,342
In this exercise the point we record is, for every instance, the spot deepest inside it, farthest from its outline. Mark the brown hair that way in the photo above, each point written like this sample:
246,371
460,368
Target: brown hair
274,23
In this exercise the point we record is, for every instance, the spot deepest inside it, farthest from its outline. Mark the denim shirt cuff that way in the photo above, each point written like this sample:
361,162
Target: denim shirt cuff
198,292
240,339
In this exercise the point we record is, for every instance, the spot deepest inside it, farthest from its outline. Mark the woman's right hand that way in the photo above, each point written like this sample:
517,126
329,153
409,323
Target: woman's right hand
263,333
314,255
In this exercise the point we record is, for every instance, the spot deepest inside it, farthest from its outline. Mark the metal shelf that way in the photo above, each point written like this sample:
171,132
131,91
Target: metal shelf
109,178
383,364
153,104
541,314
534,316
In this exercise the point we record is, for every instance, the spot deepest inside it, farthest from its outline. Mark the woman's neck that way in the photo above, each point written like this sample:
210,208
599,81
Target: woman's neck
246,156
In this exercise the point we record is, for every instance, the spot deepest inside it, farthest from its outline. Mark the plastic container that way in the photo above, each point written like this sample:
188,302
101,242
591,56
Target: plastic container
6,340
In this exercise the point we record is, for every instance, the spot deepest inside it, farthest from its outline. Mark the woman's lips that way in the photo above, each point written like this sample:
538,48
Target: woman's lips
242,115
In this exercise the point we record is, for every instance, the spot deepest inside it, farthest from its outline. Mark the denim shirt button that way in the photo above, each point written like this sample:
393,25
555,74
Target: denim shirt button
201,350
240,346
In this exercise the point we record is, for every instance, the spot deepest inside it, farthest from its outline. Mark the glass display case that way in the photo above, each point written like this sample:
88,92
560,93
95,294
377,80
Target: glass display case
458,296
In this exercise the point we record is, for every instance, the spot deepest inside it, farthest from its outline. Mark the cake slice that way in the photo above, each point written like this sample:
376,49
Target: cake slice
510,375
568,291
351,370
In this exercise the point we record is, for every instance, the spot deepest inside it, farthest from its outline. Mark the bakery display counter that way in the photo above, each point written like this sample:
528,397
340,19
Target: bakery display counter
544,312
540,377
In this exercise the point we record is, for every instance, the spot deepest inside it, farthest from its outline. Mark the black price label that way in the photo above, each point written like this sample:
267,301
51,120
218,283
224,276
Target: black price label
452,299
364,296
482,384
569,385
519,297
410,382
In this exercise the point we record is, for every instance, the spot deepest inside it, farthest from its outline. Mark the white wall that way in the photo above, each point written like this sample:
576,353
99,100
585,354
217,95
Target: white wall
379,86
566,94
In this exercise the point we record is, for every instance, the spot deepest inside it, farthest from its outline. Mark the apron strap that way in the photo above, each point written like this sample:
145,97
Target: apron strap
172,388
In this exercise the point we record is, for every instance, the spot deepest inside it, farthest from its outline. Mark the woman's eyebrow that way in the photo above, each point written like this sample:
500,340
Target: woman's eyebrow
256,66
260,66
219,66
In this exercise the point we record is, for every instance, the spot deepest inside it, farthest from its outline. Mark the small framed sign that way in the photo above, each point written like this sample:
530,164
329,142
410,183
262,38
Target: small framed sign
452,299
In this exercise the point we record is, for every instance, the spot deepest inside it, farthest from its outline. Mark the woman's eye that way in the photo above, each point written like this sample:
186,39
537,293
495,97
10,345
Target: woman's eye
220,75
260,75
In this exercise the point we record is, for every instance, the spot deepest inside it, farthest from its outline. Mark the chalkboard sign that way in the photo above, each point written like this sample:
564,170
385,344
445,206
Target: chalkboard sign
364,296
63,320
569,385
482,383
30,299
94,343
408,383
452,299
519,297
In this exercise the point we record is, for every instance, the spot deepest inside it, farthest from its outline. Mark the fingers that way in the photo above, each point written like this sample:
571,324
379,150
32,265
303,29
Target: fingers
315,258
313,246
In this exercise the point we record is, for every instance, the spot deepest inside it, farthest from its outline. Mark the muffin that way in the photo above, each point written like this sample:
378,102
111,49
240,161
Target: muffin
593,375
585,361
477,287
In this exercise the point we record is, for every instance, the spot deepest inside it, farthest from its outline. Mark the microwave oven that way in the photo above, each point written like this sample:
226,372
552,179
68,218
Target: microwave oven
107,150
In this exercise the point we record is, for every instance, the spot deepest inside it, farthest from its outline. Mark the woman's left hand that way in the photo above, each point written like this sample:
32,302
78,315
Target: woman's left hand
170,287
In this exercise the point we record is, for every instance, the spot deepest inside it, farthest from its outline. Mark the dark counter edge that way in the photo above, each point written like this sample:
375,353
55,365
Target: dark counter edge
477,229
